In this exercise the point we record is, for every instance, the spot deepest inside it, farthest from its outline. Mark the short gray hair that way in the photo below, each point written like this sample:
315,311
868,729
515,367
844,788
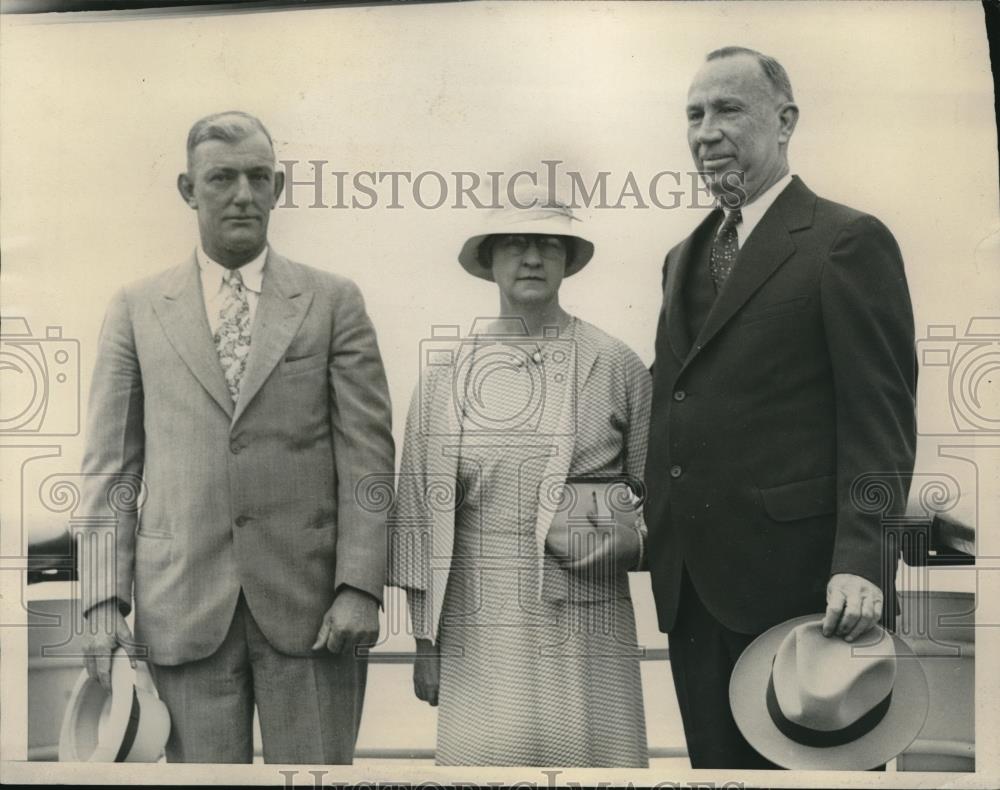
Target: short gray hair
773,70
231,126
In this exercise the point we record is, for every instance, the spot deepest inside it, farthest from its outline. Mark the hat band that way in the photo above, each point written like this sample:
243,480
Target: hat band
130,729
807,736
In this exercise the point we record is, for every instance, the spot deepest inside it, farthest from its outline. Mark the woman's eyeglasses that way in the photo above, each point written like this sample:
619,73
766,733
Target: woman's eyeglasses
517,244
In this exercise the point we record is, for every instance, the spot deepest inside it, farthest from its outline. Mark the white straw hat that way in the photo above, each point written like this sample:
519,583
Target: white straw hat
131,724
542,214
807,701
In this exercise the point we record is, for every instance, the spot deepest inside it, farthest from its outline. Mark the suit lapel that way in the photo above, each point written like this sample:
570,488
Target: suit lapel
280,311
769,246
673,299
181,312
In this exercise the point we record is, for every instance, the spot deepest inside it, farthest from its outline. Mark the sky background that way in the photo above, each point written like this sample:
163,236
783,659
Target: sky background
896,119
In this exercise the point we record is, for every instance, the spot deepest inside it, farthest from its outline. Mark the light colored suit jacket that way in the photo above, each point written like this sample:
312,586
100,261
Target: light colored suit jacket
260,495
597,427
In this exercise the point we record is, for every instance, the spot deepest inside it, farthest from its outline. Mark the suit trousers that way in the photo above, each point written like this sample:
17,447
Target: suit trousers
703,653
309,707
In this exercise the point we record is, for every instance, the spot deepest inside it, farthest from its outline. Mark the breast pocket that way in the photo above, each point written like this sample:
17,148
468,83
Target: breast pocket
292,367
774,309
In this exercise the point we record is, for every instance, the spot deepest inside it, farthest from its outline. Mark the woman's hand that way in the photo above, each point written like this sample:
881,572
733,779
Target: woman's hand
607,546
427,672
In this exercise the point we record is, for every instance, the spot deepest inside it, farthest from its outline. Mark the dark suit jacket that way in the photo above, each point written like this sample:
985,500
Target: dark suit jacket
262,495
778,434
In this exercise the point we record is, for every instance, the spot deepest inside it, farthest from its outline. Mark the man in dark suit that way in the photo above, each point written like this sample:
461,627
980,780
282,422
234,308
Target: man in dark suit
246,391
784,373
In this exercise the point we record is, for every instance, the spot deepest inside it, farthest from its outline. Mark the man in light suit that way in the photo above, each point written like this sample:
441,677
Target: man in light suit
247,393
784,374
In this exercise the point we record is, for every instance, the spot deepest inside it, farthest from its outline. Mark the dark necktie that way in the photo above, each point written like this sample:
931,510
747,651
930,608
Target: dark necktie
724,249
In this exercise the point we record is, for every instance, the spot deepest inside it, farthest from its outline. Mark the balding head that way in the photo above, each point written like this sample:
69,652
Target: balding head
740,119
772,70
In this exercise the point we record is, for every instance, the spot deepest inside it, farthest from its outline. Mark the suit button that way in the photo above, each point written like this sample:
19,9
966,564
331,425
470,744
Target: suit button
680,395
235,448
676,471
242,521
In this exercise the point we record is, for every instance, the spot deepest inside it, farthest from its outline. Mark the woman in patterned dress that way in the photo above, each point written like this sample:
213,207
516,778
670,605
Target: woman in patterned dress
530,657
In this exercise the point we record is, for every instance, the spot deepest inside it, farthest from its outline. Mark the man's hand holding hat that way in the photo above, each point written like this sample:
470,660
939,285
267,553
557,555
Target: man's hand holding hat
853,605
112,631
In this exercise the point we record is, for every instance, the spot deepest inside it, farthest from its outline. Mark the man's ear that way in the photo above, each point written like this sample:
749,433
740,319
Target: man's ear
186,187
279,184
788,116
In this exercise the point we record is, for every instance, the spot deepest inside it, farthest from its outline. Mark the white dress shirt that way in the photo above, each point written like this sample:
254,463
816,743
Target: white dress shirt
211,284
754,212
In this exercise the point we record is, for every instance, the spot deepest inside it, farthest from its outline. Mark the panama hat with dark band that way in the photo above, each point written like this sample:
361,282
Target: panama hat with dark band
129,724
806,701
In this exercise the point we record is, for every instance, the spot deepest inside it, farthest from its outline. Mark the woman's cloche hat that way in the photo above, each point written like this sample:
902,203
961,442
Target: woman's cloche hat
808,701
534,211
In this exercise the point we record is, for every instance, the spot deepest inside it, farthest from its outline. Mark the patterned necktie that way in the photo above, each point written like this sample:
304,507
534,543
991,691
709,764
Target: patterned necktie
724,249
232,339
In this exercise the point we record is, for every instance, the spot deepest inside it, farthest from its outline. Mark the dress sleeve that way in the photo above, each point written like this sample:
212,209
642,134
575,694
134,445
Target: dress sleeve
409,520
417,602
639,397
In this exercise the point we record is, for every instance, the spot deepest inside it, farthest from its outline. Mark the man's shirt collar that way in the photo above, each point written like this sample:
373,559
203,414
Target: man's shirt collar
754,212
212,272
